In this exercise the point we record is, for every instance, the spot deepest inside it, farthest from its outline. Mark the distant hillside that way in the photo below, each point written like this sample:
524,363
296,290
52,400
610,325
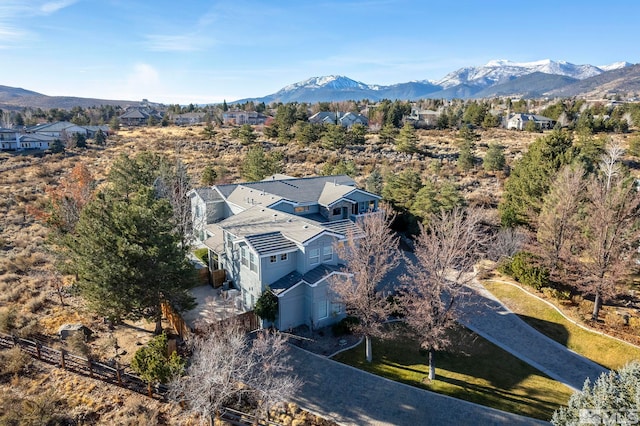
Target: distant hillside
623,81
531,85
13,98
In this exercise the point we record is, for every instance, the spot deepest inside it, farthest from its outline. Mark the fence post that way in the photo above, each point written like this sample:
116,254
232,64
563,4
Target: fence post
90,365
118,376
62,363
38,346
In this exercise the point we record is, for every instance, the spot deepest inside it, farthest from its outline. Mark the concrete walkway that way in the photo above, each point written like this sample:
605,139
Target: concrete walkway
350,396
486,316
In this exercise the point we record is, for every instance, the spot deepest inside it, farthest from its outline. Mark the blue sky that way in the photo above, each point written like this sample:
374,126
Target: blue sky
193,51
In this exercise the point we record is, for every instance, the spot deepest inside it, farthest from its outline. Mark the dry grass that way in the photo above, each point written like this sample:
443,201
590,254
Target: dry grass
26,264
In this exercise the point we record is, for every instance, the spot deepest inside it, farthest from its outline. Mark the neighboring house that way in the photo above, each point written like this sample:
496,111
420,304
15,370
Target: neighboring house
519,121
344,119
237,117
139,116
92,130
280,233
9,139
188,118
35,141
59,129
423,117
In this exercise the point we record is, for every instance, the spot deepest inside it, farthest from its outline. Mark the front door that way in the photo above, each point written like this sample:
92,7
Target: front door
345,212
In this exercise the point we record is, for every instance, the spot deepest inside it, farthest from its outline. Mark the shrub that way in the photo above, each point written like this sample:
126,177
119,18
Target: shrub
267,305
525,268
7,320
344,326
14,362
202,254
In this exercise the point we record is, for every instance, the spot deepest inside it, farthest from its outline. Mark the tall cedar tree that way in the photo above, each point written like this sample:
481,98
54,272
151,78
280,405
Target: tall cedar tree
368,256
558,221
531,176
125,250
446,250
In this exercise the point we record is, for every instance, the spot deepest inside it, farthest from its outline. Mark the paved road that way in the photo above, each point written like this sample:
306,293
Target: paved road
353,397
485,315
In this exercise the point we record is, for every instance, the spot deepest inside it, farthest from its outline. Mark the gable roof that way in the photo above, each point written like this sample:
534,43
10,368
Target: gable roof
312,278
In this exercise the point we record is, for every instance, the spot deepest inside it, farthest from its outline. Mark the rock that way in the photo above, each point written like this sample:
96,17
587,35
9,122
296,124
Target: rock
67,330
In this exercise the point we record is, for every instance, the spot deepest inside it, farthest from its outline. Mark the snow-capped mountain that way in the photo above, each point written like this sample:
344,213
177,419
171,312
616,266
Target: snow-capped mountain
615,66
500,71
469,82
329,81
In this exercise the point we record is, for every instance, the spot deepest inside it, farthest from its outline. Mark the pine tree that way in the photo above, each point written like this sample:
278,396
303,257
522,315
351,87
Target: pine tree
407,139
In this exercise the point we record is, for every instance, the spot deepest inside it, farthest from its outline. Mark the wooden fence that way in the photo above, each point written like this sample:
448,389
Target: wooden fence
218,277
114,375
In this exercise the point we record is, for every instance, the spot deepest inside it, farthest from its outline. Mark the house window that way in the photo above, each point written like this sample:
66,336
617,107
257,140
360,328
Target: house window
243,256
323,309
301,209
337,211
327,253
252,262
314,256
336,308
273,259
283,257
197,210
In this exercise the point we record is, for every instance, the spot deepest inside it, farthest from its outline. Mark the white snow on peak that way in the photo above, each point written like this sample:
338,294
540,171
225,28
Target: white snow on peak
331,81
615,66
500,70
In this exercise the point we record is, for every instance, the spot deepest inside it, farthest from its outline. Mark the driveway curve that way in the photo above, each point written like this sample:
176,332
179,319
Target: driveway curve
350,396
488,317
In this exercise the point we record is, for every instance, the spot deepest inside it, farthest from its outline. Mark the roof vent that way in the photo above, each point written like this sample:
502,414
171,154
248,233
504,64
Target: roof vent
305,226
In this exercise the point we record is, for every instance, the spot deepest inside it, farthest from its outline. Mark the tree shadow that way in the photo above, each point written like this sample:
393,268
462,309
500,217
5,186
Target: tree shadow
554,331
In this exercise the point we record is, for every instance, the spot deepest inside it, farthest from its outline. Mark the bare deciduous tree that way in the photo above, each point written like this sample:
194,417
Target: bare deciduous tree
368,257
609,229
446,251
557,223
506,243
173,184
228,365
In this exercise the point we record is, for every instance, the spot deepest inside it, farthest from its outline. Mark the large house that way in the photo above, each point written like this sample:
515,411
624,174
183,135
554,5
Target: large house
280,233
344,119
238,117
139,116
519,121
41,136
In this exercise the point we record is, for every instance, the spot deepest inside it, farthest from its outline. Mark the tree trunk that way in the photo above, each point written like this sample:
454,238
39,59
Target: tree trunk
596,307
158,329
432,364
368,352
150,389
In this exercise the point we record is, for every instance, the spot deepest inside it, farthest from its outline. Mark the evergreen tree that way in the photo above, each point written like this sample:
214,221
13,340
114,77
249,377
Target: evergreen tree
56,147
334,137
247,135
101,138
258,165
494,158
388,133
209,176
128,259
407,139
531,176
375,182
400,189
154,364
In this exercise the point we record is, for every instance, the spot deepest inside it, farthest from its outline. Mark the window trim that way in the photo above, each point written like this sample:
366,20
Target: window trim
313,256
327,253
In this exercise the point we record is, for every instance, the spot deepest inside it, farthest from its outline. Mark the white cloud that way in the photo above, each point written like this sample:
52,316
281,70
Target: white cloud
143,75
173,43
54,6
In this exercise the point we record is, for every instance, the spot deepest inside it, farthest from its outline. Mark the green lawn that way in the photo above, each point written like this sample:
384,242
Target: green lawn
480,373
608,352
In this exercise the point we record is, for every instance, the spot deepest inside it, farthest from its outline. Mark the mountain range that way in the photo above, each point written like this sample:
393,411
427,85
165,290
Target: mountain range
496,78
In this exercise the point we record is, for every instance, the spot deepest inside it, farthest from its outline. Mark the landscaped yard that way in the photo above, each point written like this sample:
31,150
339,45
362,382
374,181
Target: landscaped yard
480,372
608,352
